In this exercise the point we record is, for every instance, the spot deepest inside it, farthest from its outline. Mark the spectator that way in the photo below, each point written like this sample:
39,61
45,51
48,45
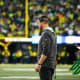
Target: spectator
19,56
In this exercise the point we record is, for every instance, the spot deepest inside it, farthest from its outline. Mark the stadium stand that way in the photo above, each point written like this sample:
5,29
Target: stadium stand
64,16
12,18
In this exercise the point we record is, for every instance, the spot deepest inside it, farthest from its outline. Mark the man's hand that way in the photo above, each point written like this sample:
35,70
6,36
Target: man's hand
38,67
41,60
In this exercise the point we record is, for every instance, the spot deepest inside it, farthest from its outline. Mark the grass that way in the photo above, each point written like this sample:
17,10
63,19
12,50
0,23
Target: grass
7,73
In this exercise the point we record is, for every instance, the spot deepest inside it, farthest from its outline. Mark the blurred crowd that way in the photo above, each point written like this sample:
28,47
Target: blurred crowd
67,54
12,18
5,56
64,16
18,53
27,53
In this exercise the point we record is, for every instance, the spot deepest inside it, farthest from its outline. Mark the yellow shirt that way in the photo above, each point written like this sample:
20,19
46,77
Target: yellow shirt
12,27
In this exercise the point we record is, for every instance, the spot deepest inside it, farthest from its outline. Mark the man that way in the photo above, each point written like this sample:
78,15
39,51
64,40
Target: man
46,50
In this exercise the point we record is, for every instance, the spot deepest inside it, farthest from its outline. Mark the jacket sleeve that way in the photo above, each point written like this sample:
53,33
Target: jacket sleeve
45,44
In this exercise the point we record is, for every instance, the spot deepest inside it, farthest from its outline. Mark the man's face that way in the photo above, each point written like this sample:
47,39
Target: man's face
39,24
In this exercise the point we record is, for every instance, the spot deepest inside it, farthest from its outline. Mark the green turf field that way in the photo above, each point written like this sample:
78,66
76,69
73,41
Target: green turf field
27,72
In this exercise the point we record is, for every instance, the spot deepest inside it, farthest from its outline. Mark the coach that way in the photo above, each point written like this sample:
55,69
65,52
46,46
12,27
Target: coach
46,50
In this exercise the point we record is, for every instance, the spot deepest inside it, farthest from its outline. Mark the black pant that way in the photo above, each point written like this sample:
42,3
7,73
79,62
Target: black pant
46,73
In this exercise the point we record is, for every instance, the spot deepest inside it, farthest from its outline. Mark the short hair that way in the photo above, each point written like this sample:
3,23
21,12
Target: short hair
43,19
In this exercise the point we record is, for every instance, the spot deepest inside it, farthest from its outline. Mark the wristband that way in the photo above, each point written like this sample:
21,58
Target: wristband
39,64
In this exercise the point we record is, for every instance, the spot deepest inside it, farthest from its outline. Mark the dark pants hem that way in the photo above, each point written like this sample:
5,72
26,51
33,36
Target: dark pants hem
46,73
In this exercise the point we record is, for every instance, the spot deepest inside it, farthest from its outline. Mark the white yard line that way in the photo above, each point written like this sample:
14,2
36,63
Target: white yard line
19,77
28,69
65,74
30,77
61,74
62,69
18,69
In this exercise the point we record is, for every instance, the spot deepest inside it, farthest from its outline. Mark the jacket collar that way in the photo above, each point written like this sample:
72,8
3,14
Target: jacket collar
49,28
